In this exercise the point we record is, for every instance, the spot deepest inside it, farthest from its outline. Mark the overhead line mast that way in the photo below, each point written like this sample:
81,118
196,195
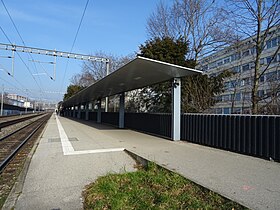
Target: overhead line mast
56,53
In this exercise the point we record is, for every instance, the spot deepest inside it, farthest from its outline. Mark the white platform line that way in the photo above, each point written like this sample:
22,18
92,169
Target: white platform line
68,148
82,152
66,144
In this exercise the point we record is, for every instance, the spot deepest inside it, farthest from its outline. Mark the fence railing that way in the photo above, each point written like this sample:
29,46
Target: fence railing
111,118
92,116
251,135
159,124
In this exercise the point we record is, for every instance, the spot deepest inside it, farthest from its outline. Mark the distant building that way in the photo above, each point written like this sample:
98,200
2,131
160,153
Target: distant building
240,60
17,97
18,100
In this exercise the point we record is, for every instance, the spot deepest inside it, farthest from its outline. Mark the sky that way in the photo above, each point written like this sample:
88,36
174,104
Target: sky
114,27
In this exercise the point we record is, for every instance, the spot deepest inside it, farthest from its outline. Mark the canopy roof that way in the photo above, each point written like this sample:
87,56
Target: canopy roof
138,73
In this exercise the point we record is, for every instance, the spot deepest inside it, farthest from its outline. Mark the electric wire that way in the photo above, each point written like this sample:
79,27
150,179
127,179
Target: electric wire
5,35
76,35
22,60
23,87
7,11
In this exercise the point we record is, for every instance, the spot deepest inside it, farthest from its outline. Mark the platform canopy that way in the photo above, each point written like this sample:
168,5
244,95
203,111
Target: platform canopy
140,72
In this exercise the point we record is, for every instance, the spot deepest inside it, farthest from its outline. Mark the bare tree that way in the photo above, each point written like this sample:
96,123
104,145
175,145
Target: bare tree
197,21
94,71
259,18
98,70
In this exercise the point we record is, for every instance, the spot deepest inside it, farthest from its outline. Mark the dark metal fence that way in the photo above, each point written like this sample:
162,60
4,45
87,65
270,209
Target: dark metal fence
83,115
92,116
251,135
111,118
159,124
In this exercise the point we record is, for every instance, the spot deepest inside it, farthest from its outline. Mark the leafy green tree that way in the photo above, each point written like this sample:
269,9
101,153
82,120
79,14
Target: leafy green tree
198,92
157,98
71,90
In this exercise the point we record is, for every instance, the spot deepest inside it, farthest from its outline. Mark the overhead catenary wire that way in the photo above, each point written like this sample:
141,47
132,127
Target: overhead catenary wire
7,11
22,86
22,61
76,35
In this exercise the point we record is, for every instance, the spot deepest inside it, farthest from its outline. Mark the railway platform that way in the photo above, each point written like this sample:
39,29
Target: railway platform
72,154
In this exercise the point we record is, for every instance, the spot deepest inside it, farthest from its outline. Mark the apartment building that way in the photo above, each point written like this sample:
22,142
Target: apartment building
239,59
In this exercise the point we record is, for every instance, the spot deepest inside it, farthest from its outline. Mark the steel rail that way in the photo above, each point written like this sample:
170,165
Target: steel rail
12,122
8,159
10,134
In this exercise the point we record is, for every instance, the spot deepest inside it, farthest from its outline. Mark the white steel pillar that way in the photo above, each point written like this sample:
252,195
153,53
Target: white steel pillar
176,109
121,111
107,98
99,111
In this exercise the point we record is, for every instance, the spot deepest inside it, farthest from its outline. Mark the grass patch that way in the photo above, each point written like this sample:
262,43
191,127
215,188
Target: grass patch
151,188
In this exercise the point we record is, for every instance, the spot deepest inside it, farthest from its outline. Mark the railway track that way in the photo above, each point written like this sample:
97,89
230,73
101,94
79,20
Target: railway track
14,148
7,121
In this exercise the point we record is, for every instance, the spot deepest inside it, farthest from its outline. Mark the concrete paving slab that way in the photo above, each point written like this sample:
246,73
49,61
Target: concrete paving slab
250,181
55,180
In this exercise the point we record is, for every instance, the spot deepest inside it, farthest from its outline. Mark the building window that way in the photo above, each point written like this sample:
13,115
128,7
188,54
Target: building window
235,57
238,97
236,111
212,65
219,111
226,110
269,59
227,85
262,61
245,67
262,78
218,98
246,96
271,43
246,53
204,68
226,60
219,63
235,69
253,50
271,76
260,93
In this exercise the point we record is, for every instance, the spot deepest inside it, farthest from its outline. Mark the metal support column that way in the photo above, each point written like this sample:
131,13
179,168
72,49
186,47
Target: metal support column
79,111
176,109
121,111
107,98
87,110
99,111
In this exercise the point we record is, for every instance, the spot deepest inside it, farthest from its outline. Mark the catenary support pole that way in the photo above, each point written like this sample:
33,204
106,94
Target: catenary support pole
2,100
176,109
121,111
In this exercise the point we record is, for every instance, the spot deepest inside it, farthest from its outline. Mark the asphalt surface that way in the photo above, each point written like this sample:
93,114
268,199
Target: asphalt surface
59,170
